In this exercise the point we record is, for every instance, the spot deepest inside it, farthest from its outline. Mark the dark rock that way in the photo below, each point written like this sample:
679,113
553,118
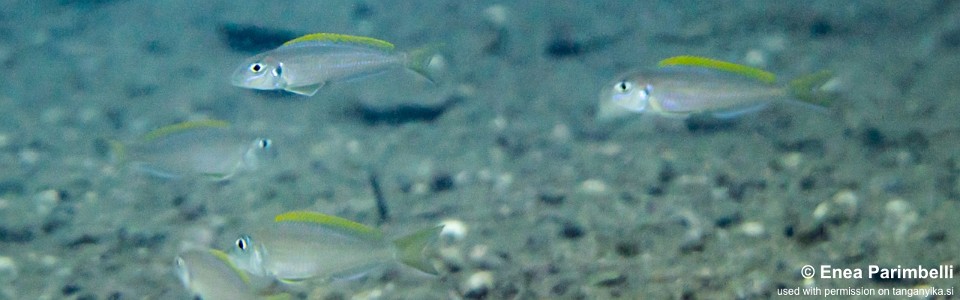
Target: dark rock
551,198
727,221
11,187
16,235
627,249
571,230
403,113
70,289
85,239
874,139
362,11
252,38
820,28
442,182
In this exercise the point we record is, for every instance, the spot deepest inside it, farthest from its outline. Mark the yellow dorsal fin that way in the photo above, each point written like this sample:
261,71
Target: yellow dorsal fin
329,221
226,259
703,62
342,38
183,126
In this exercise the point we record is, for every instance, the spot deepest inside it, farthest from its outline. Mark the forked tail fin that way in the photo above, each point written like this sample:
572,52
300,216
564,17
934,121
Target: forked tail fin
418,60
809,89
410,248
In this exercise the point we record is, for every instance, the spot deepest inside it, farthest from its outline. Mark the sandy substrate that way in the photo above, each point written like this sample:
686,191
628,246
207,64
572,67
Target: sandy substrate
555,204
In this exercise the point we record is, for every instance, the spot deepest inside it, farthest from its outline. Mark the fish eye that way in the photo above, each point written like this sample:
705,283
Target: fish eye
256,67
265,143
242,243
623,86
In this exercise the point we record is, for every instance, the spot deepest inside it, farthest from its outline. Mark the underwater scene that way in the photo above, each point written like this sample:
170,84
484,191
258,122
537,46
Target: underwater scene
449,149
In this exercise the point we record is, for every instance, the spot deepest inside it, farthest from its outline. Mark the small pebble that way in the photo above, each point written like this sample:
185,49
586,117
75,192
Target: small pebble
775,43
610,149
791,160
848,202
753,229
478,285
8,269
478,252
593,186
756,58
46,201
900,217
453,230
561,133
497,15
821,211
28,156
503,182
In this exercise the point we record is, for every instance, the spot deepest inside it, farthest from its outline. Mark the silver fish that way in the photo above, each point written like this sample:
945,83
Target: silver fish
207,148
302,245
685,85
209,275
305,64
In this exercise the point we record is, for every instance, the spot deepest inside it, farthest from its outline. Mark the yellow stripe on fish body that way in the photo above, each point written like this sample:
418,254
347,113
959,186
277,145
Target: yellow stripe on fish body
682,86
342,38
222,256
328,221
303,245
207,275
183,126
306,64
703,62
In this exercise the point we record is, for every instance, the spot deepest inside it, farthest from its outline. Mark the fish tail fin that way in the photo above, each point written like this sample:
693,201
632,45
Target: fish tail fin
810,89
418,60
410,249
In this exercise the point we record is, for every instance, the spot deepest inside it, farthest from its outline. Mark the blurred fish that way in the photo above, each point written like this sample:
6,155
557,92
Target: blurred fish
686,85
209,275
303,245
207,148
305,64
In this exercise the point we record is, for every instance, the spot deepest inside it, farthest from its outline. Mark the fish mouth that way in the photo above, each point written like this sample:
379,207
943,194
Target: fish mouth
237,79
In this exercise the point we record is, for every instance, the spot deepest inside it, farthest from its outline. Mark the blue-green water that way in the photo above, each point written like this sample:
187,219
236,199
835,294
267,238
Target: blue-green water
555,204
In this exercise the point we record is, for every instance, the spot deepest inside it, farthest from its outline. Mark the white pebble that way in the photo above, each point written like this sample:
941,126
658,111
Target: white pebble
753,229
499,123
821,211
8,269
503,182
900,218
28,156
478,284
791,160
497,15
453,230
478,252
611,149
593,186
756,58
46,201
560,133
848,201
